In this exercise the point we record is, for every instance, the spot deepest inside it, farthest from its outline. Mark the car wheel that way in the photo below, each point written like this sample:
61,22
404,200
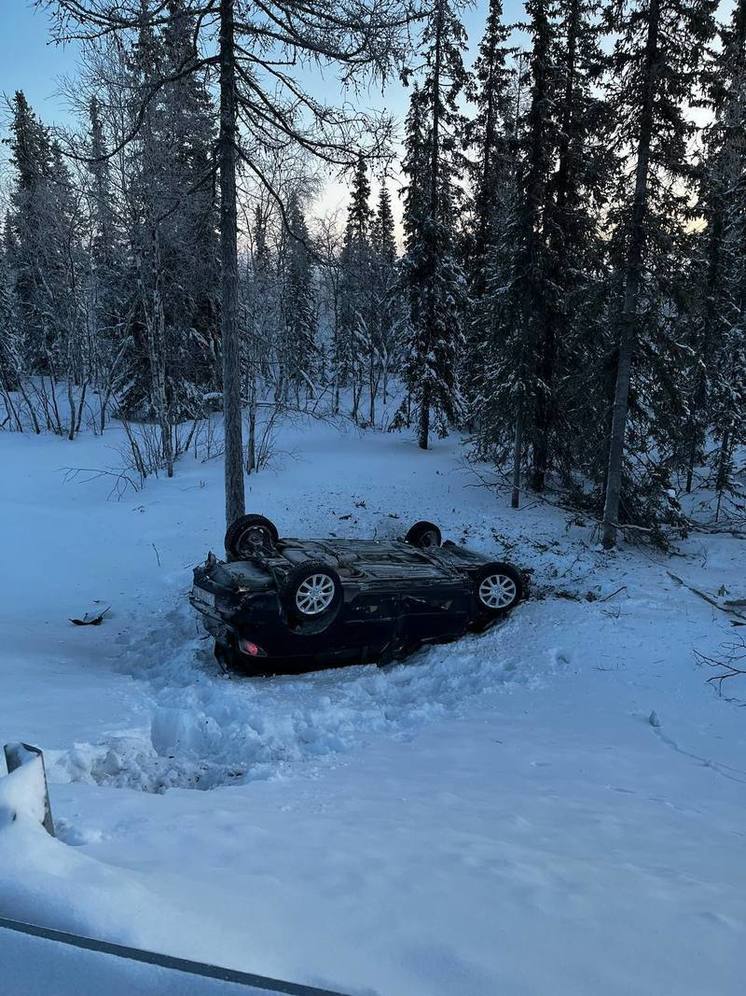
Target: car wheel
250,535
312,595
424,535
498,589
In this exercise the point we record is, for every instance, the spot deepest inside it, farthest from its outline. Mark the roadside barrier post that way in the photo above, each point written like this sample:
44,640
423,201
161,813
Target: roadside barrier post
19,754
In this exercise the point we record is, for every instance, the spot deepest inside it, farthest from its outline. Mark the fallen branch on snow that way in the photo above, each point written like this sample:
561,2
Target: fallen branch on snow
708,598
733,665
607,597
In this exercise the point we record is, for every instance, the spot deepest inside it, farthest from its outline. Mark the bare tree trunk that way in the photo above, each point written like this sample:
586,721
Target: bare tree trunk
9,406
544,407
515,498
234,483
423,424
721,480
633,277
30,408
55,426
423,431
251,447
357,390
108,388
372,391
155,328
71,405
711,318
81,406
157,348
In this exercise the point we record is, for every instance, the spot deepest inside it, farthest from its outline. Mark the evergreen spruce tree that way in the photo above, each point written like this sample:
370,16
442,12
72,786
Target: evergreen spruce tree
490,135
102,210
432,275
13,365
29,224
264,304
716,379
383,236
48,263
656,67
108,269
174,225
518,284
386,310
355,345
577,193
487,250
299,304
10,346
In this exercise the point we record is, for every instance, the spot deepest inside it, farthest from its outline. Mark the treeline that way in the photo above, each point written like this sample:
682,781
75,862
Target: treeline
572,286
575,248
110,268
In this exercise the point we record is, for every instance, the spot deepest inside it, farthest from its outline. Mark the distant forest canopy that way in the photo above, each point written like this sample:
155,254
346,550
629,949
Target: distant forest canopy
569,290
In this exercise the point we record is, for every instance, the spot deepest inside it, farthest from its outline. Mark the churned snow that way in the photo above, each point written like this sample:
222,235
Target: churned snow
556,806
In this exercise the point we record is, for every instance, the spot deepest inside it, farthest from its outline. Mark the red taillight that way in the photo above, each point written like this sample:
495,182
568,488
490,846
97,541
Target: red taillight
247,647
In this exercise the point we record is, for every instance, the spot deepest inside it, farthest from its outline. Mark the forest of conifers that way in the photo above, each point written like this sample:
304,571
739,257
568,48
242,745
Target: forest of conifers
568,287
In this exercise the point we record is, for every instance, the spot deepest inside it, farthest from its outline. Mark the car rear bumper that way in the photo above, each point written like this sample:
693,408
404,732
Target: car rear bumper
259,666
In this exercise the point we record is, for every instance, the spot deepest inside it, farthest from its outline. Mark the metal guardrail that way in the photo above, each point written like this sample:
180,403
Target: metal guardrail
166,961
17,755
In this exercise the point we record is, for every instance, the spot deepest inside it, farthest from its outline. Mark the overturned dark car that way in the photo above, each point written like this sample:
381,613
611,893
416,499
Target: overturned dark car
279,605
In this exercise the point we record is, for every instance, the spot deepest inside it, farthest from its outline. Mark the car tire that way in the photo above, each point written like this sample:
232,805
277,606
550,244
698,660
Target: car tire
424,535
312,596
498,588
248,535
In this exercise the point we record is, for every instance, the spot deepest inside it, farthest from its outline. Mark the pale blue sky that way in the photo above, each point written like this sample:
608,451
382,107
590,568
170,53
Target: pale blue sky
30,62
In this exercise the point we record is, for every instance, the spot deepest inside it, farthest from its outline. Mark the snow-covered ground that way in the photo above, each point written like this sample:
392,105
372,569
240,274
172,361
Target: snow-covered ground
554,807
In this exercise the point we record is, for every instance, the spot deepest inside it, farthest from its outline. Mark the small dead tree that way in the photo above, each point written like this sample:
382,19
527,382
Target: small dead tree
732,664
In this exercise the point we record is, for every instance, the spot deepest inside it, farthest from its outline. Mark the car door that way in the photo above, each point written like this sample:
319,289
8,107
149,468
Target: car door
433,609
370,619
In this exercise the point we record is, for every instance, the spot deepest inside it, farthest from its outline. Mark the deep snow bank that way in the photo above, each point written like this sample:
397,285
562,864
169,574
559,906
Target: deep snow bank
412,831
45,881
207,729
32,965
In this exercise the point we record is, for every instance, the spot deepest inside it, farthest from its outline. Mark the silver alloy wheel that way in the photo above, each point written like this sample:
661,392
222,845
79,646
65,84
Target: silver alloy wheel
315,594
498,591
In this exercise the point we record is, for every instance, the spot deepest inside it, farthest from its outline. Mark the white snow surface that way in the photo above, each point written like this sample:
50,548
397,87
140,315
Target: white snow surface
34,966
556,806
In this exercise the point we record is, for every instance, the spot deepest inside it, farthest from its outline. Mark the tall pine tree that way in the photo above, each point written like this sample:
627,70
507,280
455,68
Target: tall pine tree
354,342
576,196
434,280
386,311
656,68
717,375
